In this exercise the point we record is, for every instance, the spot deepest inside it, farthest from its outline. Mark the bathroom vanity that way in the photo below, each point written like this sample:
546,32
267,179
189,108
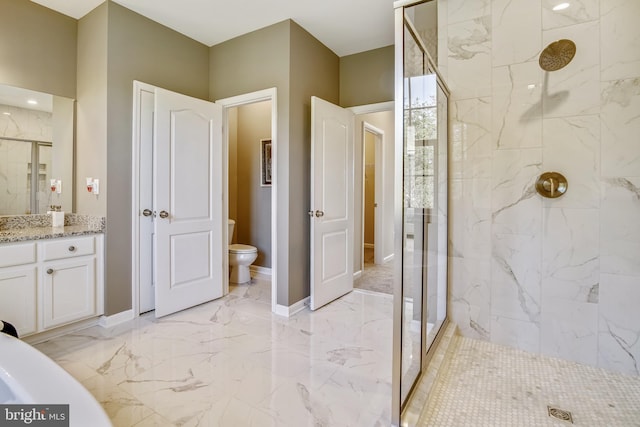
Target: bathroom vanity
50,277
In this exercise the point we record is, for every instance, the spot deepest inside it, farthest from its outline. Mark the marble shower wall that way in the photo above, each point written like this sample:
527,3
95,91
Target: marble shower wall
559,277
22,123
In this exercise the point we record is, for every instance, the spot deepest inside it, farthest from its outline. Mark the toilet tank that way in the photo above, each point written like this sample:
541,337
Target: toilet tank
232,223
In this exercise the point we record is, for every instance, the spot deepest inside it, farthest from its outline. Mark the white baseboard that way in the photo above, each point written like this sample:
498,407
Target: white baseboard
283,310
357,274
368,245
116,319
387,258
266,271
58,332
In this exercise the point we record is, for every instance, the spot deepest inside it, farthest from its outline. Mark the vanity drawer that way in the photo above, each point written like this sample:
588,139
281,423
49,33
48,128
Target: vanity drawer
17,254
68,248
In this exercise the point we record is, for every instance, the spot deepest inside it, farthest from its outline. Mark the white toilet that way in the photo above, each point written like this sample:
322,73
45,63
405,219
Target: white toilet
240,258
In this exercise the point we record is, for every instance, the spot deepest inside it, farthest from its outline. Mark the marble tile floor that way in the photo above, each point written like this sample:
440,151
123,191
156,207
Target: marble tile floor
231,362
489,385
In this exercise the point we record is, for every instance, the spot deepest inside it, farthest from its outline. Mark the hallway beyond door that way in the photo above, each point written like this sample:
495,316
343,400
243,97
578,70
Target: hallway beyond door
375,277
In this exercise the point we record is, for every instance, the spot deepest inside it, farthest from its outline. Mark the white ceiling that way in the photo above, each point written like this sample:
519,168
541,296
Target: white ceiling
18,97
344,26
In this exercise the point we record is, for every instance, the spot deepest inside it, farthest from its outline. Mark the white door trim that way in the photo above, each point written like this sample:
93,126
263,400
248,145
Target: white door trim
378,217
135,193
236,101
372,108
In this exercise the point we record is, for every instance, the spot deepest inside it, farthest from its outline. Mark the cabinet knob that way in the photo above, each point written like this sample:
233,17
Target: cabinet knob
49,270
72,248
164,214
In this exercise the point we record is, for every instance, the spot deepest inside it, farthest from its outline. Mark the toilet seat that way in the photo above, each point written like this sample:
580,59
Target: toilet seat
238,248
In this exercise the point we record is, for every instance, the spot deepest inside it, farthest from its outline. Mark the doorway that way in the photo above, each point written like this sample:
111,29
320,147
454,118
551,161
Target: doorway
373,178
374,271
250,179
230,108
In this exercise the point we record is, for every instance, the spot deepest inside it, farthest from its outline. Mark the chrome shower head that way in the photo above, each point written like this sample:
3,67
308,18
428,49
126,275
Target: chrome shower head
557,55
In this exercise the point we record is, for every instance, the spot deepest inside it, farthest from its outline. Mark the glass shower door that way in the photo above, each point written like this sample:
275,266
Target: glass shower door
421,304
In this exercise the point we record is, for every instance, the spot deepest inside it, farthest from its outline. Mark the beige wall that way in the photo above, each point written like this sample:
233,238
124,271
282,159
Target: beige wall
117,46
62,168
91,127
251,62
287,57
367,77
315,71
253,216
37,48
139,49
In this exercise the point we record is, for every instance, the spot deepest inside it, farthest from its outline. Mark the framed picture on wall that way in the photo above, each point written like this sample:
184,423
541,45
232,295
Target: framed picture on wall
265,162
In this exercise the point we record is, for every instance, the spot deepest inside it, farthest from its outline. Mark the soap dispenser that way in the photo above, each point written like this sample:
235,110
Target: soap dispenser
57,216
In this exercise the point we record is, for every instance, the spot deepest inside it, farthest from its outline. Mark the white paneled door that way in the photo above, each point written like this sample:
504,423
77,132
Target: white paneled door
188,197
332,202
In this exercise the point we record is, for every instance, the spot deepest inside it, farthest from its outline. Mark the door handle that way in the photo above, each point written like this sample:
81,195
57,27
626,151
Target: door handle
147,212
319,214
164,214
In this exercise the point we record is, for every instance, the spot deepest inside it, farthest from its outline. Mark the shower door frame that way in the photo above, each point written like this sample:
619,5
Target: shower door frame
400,23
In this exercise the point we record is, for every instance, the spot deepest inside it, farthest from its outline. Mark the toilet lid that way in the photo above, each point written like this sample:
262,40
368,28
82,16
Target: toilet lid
237,248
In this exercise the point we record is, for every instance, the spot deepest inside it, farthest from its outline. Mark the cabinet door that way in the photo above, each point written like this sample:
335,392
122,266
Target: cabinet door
18,298
69,291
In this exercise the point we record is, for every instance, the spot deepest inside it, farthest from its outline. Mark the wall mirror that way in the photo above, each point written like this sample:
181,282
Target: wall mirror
36,151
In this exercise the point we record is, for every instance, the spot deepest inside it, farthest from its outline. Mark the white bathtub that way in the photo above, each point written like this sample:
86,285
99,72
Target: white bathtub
29,377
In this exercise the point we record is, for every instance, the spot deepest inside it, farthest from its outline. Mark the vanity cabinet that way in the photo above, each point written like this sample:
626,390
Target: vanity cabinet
51,282
18,290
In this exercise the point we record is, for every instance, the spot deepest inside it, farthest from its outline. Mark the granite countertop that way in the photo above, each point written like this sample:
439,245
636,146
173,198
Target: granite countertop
36,227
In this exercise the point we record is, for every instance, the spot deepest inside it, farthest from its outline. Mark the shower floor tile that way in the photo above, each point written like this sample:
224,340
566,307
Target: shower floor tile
495,386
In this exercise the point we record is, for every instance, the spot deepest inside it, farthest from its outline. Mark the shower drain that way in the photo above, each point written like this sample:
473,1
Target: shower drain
560,414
